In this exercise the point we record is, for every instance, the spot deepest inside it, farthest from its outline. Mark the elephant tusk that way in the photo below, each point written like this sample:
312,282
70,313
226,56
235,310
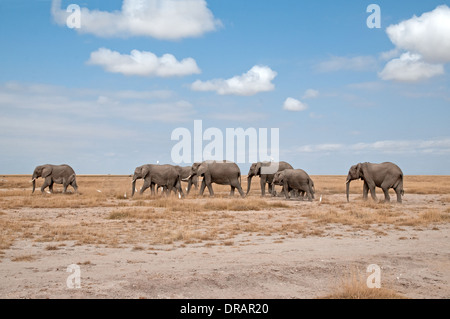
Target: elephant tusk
187,178
133,181
32,180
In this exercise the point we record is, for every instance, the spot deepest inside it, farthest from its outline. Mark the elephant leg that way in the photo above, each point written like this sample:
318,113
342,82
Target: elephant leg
75,186
387,198
189,187
269,187
398,191
47,182
385,187
202,187
50,187
210,189
286,190
365,191
179,188
236,184
308,193
195,181
232,191
145,186
262,181
373,193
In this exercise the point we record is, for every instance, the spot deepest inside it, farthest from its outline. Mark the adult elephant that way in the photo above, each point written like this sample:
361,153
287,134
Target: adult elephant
384,175
185,172
266,171
59,174
166,176
295,179
222,173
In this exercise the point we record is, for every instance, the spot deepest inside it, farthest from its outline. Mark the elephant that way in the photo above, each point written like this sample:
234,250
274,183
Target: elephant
166,176
223,173
59,174
384,175
266,172
184,173
295,179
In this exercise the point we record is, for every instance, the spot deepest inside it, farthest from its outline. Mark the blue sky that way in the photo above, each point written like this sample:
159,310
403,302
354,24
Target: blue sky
106,97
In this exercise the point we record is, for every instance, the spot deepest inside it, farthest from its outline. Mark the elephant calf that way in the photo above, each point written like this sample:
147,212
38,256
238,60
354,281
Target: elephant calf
385,175
266,171
59,174
295,179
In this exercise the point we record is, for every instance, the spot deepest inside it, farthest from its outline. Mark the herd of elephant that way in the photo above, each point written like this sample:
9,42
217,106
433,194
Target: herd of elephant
294,182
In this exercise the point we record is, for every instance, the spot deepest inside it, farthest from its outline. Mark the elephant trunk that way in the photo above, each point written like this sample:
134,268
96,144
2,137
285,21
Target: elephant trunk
348,189
249,183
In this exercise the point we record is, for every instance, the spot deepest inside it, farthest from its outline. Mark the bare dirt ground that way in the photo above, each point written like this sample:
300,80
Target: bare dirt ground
274,249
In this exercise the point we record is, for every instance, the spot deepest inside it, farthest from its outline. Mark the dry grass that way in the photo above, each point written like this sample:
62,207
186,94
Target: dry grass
104,214
354,286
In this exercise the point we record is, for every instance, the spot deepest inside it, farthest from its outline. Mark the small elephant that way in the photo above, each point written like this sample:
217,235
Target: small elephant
384,175
266,171
295,179
223,173
59,174
166,176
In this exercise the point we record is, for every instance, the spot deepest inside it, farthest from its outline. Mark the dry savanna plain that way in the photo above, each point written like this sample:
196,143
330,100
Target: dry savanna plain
223,247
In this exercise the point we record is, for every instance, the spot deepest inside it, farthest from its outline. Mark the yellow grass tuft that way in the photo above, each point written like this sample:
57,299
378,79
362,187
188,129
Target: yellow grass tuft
355,287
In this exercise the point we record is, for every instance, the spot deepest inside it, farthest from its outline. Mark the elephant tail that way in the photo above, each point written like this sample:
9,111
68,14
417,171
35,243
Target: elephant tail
311,187
400,184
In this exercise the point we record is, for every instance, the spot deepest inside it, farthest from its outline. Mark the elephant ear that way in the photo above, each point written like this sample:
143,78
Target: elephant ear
202,169
46,171
365,174
279,177
145,171
358,171
258,169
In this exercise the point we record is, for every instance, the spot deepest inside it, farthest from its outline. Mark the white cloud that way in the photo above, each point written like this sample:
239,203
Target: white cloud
337,63
426,40
427,35
407,147
311,94
161,19
143,63
257,79
410,68
88,105
291,104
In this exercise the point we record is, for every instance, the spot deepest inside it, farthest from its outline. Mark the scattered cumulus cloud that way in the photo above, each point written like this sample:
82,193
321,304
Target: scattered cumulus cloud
161,19
425,41
258,79
291,104
427,35
143,63
410,67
